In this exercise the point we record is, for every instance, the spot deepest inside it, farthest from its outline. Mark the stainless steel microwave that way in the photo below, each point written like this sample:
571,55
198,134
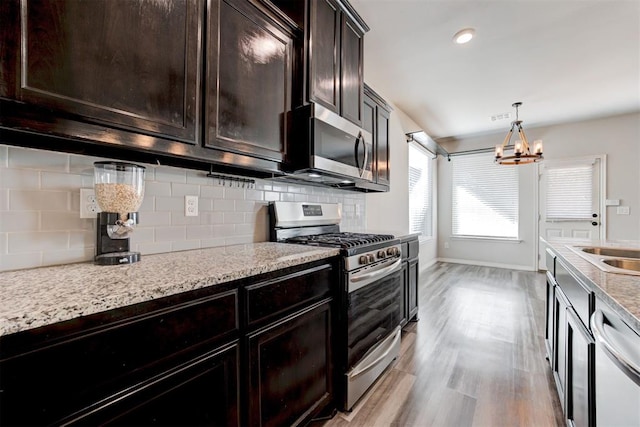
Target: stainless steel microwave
329,149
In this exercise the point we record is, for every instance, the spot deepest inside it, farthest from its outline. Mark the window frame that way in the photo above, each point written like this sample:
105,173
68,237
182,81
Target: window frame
431,157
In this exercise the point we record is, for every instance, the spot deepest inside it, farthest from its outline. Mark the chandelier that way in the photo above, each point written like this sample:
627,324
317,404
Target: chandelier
521,150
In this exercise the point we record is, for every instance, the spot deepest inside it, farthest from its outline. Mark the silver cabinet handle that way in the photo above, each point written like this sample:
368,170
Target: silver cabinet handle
366,158
379,358
597,326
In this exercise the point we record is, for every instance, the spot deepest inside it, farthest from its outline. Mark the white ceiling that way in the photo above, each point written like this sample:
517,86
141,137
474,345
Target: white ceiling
565,60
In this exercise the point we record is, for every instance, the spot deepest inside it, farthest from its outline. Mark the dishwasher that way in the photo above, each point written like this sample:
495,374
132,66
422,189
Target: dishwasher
617,370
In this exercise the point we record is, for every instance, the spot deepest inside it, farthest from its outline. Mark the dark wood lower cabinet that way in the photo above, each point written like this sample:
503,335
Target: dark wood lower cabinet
549,316
203,392
412,288
182,360
580,375
560,344
290,368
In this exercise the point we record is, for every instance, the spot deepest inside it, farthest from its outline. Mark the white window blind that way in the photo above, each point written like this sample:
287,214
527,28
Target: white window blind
485,198
569,192
420,192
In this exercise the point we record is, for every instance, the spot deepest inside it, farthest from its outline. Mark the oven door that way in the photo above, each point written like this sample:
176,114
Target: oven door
374,307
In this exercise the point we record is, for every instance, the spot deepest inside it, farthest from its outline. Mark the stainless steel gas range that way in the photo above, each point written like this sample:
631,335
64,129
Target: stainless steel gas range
369,295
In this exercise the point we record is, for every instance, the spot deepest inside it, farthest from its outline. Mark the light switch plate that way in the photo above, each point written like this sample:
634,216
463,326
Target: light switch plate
622,210
190,205
88,204
612,202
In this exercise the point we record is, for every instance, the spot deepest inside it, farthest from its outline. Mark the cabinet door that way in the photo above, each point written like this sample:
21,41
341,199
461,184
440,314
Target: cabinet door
580,364
549,316
413,290
249,80
125,64
382,147
369,116
290,368
560,343
351,79
324,54
203,392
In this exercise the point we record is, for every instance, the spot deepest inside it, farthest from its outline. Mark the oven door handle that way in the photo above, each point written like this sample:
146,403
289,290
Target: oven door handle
388,350
358,282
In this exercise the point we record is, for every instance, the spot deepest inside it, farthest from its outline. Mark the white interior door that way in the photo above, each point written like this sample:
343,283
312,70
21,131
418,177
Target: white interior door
571,200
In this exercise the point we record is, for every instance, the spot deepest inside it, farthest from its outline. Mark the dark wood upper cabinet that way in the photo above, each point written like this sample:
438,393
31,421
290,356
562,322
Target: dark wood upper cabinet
249,80
376,116
324,54
335,55
132,65
351,77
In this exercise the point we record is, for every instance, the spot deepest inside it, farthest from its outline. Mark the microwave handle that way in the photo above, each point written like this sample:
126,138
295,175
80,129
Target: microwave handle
361,170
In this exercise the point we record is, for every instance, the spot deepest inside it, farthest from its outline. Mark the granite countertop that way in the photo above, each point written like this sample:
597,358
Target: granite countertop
620,291
42,296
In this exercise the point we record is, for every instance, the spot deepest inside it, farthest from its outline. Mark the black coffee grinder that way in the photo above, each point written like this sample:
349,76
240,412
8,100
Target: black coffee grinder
119,189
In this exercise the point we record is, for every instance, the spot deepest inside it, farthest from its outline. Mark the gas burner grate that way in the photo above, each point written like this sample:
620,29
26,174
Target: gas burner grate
341,240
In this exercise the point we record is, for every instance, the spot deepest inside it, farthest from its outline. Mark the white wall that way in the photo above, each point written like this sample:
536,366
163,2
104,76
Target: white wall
40,201
390,211
618,137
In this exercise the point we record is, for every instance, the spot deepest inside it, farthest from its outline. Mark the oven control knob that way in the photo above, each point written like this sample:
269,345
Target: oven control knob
364,259
371,258
382,254
392,251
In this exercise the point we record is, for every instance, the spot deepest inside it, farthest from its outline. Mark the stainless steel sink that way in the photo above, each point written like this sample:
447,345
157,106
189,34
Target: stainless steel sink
614,252
611,260
625,264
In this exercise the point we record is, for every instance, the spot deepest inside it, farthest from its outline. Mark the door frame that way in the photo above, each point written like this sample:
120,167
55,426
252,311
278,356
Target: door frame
602,201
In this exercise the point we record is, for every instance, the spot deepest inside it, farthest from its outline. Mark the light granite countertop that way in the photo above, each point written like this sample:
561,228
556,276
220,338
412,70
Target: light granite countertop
42,296
620,291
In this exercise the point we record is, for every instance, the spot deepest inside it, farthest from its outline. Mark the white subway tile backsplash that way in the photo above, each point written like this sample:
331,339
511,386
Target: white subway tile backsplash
233,218
68,256
154,188
19,221
170,204
20,261
171,233
4,153
21,158
4,199
173,175
233,193
48,201
51,221
40,201
59,181
222,205
185,189
185,245
154,219
33,241
79,239
212,192
20,178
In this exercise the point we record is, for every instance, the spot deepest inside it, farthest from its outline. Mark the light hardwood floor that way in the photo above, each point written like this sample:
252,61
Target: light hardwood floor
475,358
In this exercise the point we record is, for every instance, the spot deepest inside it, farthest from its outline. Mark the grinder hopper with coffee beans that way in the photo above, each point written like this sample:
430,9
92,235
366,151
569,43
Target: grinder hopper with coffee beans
119,189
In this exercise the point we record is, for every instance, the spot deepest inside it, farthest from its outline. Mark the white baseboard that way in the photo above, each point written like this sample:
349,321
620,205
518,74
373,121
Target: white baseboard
487,264
428,264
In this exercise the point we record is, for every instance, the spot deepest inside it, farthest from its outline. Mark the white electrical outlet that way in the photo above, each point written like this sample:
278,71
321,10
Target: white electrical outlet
622,210
190,205
88,204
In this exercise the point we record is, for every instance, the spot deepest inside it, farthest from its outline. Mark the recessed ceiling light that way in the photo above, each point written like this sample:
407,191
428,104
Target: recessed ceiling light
463,36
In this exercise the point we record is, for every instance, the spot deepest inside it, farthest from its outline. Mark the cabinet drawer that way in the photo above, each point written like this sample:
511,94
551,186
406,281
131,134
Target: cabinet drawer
579,297
76,370
550,262
271,298
413,247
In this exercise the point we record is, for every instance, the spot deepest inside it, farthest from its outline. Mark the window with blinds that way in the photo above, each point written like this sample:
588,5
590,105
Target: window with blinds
569,192
420,192
485,198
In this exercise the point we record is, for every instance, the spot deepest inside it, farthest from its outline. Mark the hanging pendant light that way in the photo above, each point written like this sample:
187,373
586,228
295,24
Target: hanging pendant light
521,149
